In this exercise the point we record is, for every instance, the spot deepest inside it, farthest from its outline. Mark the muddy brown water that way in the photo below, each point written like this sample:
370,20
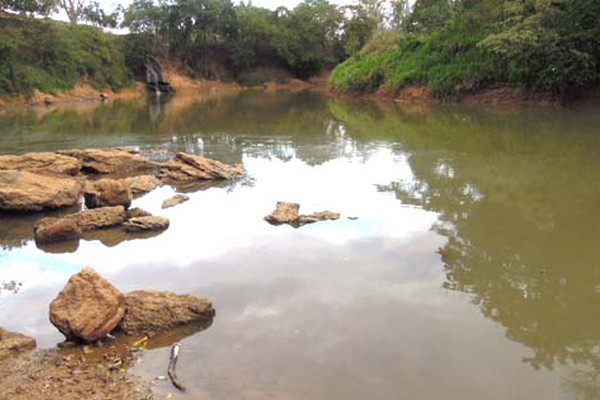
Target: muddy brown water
472,270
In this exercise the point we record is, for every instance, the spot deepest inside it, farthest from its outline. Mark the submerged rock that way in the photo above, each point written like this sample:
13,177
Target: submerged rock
51,230
142,184
107,193
27,191
12,343
43,163
288,213
112,161
173,201
88,308
149,311
149,223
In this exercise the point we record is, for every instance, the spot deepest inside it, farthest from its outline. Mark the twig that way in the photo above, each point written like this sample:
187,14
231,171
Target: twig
172,362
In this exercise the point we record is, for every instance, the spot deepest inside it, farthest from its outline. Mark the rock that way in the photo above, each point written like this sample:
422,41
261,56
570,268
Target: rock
112,161
173,201
318,216
142,184
42,163
27,191
137,212
285,213
188,167
107,193
50,230
12,343
99,218
88,307
151,311
150,223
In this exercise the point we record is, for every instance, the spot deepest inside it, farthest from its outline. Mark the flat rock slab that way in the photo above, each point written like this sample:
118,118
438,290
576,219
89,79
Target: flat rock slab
99,218
43,163
288,213
149,311
189,167
12,343
112,161
88,308
142,184
107,193
173,201
27,191
146,224
52,230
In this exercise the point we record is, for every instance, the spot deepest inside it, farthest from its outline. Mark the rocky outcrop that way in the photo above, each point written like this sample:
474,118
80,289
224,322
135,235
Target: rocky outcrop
99,218
188,167
88,308
173,201
43,163
142,184
112,161
151,311
107,193
137,212
144,224
12,343
51,230
288,213
27,191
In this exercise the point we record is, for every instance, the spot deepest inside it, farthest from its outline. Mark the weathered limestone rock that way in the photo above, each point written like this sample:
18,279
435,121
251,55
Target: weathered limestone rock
27,191
88,307
99,218
142,184
137,212
173,201
285,213
107,193
188,167
12,343
151,311
318,216
150,223
112,161
50,230
42,163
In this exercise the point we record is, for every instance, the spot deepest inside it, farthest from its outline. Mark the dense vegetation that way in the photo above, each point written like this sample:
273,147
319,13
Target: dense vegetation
212,39
463,46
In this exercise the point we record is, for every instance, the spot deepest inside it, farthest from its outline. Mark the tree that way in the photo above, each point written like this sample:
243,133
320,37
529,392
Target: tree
30,7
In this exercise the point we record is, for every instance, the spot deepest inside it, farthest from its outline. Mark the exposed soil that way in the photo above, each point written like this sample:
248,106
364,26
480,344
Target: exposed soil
70,375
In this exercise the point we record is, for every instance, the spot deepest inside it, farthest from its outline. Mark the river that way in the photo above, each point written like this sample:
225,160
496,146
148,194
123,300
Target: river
469,268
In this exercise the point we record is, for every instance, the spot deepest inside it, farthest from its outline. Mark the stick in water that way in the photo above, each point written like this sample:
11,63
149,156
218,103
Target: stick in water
172,362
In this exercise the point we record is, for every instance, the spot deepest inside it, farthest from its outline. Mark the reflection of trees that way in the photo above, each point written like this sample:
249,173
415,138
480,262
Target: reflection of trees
518,198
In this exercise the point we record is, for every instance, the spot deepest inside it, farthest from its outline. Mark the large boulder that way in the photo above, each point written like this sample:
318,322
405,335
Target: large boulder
149,311
112,161
107,193
12,343
99,218
27,191
88,308
146,224
142,184
43,163
188,167
51,230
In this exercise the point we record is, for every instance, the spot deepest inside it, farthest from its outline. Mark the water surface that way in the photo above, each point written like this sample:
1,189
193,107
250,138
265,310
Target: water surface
471,271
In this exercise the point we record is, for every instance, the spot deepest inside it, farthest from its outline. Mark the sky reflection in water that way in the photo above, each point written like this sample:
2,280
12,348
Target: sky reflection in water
357,309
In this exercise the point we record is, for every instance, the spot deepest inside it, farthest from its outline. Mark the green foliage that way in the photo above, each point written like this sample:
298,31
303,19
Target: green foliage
53,57
550,46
